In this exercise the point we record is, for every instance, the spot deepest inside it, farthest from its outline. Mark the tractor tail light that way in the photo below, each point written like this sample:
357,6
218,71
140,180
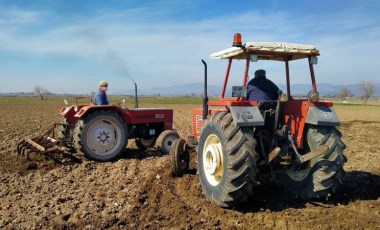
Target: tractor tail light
237,40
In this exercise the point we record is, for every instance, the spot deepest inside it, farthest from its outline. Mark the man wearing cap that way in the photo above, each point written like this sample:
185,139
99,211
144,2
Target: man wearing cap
260,88
100,97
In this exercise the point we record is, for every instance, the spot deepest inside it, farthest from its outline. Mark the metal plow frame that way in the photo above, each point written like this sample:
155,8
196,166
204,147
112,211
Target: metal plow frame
46,145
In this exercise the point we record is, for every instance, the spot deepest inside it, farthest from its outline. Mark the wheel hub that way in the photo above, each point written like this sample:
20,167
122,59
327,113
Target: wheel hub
103,137
213,160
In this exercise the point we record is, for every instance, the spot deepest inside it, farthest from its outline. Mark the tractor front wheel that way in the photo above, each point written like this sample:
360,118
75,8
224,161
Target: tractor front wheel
100,136
165,140
322,174
226,161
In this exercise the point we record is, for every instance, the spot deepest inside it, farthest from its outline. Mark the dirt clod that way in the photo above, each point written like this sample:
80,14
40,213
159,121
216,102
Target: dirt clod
138,191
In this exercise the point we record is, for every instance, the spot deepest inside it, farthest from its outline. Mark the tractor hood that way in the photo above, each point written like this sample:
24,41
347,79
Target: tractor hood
268,51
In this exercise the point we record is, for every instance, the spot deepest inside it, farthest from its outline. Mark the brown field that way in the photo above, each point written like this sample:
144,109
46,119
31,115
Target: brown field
138,191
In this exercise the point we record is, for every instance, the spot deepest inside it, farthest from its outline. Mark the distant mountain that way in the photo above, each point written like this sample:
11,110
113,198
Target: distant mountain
296,89
188,89
181,90
196,89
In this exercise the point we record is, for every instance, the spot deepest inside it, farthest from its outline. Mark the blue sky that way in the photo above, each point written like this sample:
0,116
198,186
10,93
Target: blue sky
69,46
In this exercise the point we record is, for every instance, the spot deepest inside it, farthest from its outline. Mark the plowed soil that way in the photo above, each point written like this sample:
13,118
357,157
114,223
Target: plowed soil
139,192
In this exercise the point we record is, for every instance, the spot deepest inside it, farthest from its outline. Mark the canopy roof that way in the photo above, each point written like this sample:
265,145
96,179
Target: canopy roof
279,51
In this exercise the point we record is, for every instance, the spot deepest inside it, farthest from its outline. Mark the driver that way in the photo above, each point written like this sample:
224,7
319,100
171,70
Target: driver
260,88
100,97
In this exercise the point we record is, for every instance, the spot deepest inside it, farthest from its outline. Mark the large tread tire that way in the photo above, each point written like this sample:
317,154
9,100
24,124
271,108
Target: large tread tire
228,181
321,175
63,131
100,136
179,157
165,140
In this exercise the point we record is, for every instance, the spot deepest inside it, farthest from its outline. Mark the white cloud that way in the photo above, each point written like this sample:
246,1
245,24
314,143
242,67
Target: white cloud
168,52
16,17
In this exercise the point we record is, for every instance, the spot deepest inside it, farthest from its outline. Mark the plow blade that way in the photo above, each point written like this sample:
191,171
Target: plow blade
45,145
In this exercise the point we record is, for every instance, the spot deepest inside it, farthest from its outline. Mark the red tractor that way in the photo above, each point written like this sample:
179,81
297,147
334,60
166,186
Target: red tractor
240,143
101,133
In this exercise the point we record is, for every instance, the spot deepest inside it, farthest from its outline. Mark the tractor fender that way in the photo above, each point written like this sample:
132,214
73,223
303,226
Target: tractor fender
322,115
246,116
83,111
69,112
67,109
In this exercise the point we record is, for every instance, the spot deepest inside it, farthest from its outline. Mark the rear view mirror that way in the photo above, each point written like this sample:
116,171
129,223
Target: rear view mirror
314,60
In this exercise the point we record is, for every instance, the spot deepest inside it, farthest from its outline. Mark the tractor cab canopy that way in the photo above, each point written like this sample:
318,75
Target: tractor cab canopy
272,51
279,51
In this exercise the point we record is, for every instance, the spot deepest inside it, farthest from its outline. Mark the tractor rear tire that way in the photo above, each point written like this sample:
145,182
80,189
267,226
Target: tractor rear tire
179,157
144,144
320,176
65,133
100,136
63,130
227,161
165,140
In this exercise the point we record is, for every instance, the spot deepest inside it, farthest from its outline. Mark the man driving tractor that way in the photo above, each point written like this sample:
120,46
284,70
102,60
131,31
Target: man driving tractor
100,97
260,88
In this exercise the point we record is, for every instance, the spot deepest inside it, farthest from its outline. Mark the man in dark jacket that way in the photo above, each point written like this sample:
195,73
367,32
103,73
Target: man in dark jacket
100,97
260,88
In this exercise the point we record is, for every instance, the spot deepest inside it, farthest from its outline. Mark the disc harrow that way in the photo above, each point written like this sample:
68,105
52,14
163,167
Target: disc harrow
44,144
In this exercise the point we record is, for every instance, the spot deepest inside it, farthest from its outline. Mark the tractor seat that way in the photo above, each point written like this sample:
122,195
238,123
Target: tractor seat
267,105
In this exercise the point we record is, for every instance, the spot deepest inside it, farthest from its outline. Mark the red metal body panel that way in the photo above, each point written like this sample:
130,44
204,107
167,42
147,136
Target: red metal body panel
198,119
231,102
84,109
298,109
142,116
130,116
70,111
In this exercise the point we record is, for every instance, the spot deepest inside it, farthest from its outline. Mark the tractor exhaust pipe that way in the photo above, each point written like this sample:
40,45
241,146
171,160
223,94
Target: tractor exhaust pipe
205,97
136,99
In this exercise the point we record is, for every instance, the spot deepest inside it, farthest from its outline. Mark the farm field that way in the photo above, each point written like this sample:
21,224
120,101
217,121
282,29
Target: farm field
139,192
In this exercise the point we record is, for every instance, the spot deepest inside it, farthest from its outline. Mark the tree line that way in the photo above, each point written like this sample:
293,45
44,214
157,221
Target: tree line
366,90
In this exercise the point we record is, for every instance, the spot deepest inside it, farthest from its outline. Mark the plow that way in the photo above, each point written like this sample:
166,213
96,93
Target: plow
46,145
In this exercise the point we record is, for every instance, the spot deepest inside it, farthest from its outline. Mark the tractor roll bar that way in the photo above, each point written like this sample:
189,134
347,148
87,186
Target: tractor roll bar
205,97
312,74
287,77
